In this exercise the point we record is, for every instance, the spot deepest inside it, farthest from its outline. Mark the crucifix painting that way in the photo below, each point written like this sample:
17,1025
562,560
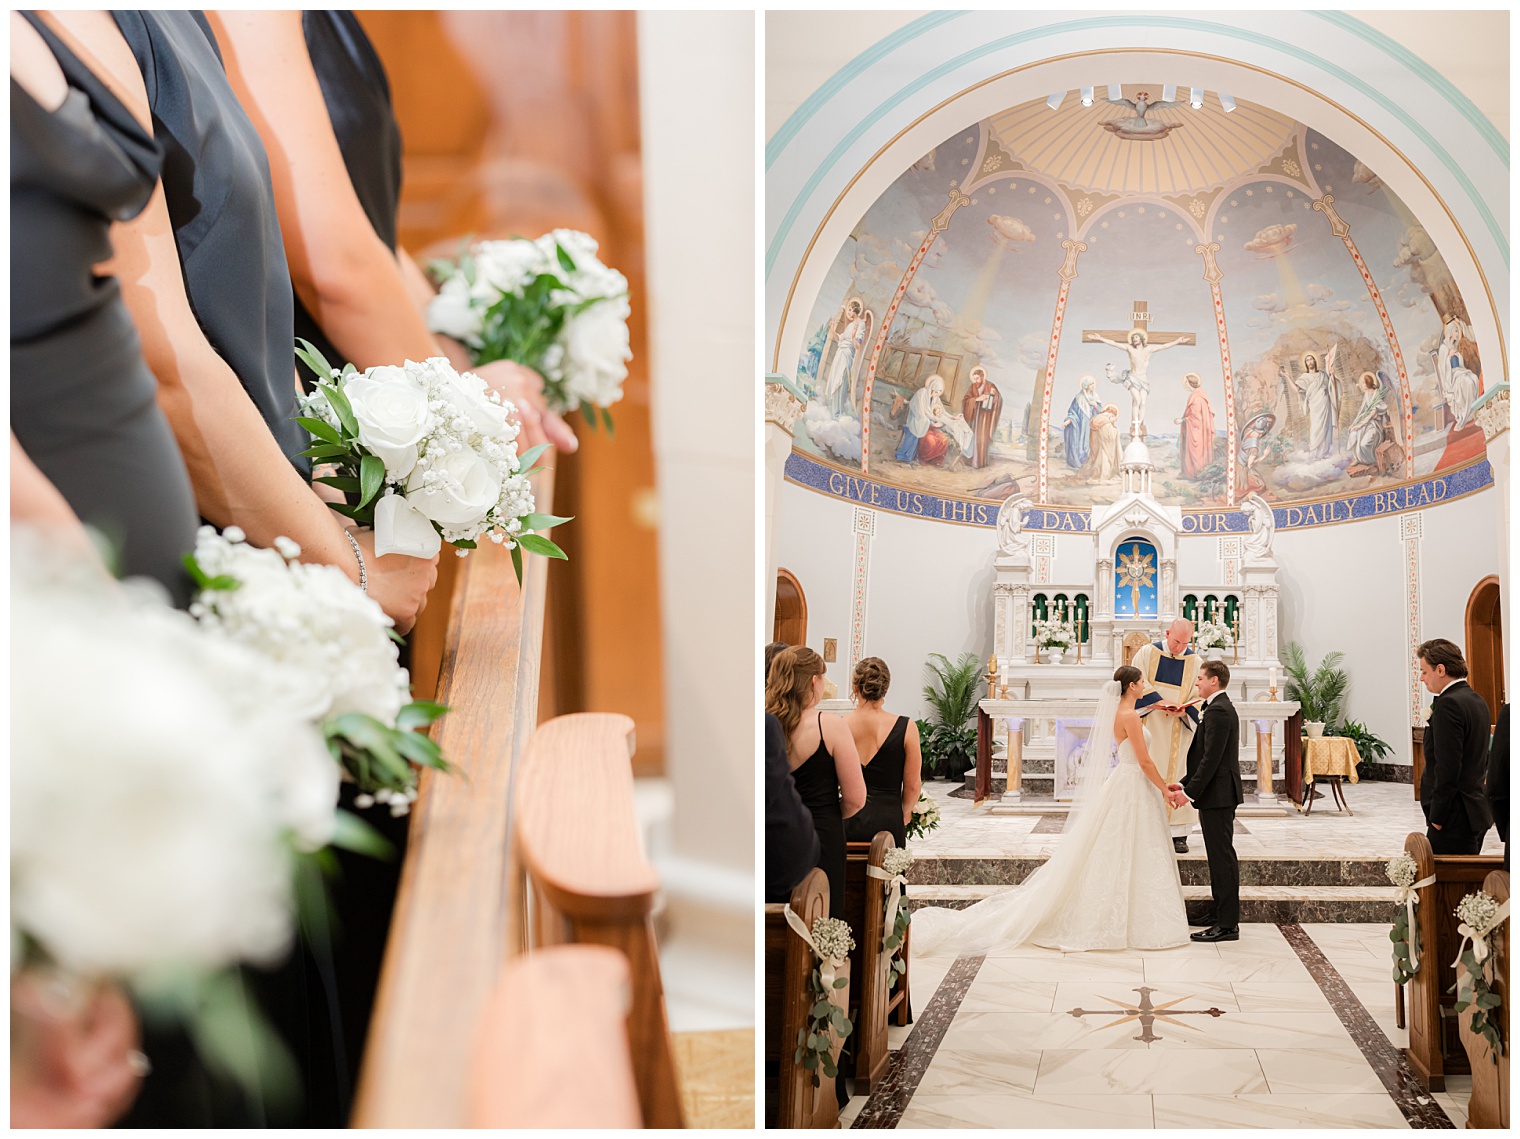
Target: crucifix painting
1139,343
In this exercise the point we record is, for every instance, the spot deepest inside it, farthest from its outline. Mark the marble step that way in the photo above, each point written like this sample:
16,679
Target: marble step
1257,903
984,872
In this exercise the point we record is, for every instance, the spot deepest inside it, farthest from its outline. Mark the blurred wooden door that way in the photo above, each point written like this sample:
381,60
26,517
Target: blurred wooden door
1485,645
791,610
515,123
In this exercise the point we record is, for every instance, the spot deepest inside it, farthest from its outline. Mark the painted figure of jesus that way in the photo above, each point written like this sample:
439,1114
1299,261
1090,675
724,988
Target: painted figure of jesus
1136,377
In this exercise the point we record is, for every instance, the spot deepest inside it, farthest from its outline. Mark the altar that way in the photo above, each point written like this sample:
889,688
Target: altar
1108,591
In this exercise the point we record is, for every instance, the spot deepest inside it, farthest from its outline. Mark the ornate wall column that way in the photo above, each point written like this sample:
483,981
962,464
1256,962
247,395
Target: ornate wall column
865,533
1213,275
1018,633
1342,230
938,226
1067,271
1251,630
1492,414
781,410
1166,599
1412,532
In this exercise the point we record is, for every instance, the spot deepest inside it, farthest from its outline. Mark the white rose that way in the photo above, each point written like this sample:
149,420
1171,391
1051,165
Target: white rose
400,528
463,494
596,351
452,313
507,266
468,393
392,412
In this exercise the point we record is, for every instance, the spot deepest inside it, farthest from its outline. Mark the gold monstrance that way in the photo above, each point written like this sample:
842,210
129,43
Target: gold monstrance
1136,569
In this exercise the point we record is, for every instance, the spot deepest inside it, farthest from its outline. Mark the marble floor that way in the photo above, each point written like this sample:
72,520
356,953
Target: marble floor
1255,1033
1383,814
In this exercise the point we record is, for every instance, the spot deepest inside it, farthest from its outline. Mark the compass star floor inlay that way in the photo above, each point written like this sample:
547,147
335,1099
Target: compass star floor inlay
1147,1014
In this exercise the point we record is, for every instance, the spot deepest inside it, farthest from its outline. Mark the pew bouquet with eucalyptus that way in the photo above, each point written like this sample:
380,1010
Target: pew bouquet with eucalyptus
424,455
549,304
332,651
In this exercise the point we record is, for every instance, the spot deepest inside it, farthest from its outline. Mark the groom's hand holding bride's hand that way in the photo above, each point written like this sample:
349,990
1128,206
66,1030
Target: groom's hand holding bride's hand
1175,795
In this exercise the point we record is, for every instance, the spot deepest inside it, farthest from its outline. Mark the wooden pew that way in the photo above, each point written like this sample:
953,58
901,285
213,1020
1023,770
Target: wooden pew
1434,1050
788,965
584,880
864,909
1489,1105
451,928
557,1022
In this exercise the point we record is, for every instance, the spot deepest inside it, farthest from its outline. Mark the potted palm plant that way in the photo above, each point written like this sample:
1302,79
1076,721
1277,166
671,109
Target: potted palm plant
951,693
1320,693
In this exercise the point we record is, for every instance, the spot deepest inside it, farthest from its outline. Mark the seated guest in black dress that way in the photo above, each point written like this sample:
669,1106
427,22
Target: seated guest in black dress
821,756
84,416
888,749
1496,783
204,277
791,842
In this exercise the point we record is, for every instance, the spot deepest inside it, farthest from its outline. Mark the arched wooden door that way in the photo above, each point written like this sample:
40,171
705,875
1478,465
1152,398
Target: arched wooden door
1485,645
791,610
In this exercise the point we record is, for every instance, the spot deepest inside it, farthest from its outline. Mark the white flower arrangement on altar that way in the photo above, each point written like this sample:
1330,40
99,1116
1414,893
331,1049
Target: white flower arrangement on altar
335,654
425,455
1214,635
549,304
1053,633
925,817
164,787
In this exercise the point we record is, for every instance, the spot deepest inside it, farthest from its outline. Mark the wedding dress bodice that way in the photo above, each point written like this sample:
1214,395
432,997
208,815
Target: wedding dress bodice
1127,749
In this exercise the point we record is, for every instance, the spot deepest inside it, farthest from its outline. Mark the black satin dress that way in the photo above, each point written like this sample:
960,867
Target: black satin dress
884,788
83,402
818,787
221,203
358,97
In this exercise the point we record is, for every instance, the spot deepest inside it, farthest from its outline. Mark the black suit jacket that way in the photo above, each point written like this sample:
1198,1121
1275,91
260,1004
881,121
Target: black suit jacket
1496,786
1456,757
1213,761
791,843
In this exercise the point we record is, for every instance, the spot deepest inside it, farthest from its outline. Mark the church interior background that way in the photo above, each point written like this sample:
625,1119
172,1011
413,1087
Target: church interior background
1117,319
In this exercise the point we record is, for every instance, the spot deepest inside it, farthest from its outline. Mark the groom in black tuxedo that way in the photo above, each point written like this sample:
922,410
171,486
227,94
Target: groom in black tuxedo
1213,785
1456,753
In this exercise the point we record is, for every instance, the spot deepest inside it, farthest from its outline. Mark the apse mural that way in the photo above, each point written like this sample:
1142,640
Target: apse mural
1233,285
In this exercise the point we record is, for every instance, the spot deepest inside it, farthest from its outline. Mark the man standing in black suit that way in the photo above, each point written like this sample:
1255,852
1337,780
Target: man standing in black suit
1213,785
1456,753
1496,786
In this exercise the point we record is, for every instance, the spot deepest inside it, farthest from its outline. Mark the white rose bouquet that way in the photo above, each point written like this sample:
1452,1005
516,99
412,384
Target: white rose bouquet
1214,635
925,817
549,304
163,789
424,455
335,652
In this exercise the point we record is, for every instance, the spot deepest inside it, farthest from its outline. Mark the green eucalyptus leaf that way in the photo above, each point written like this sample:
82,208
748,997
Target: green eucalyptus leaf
536,544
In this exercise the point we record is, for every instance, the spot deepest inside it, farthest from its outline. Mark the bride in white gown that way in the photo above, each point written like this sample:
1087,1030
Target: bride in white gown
1112,883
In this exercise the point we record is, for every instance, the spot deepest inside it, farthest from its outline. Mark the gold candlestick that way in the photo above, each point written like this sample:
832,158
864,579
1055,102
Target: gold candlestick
1235,628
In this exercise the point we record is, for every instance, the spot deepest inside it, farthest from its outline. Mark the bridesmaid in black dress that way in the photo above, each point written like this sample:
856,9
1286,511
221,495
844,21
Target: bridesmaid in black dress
822,757
888,746
82,399
318,94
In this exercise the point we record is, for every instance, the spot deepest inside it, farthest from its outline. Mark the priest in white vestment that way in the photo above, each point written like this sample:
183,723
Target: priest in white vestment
1169,669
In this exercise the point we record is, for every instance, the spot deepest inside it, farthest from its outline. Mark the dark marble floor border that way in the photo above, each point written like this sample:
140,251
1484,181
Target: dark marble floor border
1386,1060
909,1063
1373,772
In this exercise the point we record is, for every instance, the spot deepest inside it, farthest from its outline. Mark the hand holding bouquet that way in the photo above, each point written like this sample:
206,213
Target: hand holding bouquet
424,455
549,304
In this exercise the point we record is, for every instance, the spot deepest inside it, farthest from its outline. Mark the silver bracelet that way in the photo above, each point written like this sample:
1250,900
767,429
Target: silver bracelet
363,577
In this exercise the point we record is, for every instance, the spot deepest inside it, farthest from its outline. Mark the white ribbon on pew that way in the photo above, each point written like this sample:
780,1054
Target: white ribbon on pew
827,965
1478,937
895,885
1406,897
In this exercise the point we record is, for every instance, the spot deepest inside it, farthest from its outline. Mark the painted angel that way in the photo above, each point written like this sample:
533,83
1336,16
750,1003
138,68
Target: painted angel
850,333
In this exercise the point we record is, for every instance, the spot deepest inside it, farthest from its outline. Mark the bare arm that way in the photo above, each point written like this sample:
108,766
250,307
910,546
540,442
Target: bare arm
344,274
852,780
1130,722
1101,339
913,772
1163,347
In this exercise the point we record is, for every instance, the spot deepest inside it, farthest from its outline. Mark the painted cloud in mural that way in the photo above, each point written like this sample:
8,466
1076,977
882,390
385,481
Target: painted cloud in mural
1009,231
1273,241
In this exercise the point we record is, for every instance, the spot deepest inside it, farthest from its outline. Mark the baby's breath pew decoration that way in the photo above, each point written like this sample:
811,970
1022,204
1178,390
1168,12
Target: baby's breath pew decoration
925,817
1405,933
894,868
549,304
332,648
1478,915
424,455
831,943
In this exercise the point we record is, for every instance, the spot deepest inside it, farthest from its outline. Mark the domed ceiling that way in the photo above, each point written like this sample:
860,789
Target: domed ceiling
1303,338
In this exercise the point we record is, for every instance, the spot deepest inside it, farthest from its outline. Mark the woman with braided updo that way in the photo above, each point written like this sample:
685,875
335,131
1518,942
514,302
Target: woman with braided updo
821,754
890,758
